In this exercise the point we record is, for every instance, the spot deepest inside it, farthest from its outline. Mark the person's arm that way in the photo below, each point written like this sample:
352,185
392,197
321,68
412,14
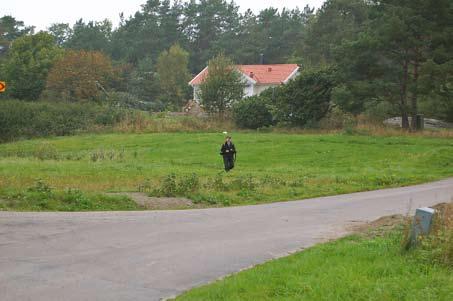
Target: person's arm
222,149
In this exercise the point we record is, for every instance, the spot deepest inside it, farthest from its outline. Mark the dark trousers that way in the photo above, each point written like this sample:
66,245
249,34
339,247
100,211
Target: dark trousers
229,162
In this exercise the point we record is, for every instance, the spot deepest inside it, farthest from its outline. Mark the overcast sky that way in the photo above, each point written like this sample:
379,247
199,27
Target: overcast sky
42,13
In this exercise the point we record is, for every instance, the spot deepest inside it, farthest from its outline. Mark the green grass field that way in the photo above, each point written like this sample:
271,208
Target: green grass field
270,167
353,268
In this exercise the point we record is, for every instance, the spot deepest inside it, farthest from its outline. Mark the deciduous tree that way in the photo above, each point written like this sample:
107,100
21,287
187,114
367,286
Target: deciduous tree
28,63
222,86
80,75
173,74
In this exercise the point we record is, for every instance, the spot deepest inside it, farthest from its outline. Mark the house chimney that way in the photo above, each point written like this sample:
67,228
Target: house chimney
269,69
261,58
251,74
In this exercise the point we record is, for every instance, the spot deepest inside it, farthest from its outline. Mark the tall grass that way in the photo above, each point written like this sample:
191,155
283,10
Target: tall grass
142,122
42,197
437,247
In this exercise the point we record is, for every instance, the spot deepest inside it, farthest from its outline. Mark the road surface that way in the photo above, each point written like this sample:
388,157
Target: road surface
155,255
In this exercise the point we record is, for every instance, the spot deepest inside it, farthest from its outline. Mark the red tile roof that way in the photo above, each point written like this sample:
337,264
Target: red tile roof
262,74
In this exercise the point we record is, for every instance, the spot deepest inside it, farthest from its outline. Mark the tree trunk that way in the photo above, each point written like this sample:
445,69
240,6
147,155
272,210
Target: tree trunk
403,96
414,96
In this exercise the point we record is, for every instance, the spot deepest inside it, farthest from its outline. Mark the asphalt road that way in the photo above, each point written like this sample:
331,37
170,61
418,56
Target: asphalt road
154,255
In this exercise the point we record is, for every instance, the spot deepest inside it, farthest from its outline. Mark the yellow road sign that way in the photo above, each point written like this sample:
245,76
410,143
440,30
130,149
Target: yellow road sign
2,86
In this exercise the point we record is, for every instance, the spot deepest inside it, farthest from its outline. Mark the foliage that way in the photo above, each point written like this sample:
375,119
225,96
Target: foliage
336,21
61,32
437,107
171,186
20,119
392,57
203,28
252,113
266,32
80,75
130,101
337,119
151,30
388,60
91,36
143,81
28,63
173,74
222,86
306,99
11,29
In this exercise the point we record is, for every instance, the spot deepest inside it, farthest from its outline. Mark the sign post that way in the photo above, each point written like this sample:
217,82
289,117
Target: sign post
422,223
2,87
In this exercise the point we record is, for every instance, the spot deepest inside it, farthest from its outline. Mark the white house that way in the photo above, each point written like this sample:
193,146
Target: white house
257,78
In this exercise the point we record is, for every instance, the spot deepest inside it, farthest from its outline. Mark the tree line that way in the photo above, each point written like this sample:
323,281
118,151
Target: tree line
384,58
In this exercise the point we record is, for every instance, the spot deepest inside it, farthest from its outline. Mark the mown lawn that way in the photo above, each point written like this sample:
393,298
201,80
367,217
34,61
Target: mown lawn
353,268
270,166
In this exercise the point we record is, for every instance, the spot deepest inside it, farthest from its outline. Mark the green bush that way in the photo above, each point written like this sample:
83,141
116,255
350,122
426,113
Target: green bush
252,113
19,119
337,119
378,111
130,101
171,186
305,100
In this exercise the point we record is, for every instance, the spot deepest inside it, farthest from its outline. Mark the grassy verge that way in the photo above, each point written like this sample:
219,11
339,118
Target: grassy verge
41,197
353,268
270,167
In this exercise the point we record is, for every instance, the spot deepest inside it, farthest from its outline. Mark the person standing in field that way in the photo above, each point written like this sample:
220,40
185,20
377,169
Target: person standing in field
228,151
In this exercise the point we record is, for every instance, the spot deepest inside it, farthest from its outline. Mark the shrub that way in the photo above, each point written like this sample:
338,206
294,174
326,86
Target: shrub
337,119
130,101
306,99
171,186
378,111
19,119
252,113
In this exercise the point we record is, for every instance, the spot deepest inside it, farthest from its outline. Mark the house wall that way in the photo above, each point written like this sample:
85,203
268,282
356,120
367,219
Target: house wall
261,88
249,90
196,93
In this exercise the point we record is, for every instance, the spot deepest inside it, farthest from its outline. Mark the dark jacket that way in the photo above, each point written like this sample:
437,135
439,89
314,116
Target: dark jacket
228,150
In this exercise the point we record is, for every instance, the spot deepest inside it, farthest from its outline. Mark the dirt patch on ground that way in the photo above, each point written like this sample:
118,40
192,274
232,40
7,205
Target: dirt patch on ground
442,207
387,223
380,226
153,203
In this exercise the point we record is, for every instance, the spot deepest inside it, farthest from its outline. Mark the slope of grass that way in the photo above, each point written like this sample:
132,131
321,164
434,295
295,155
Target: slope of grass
43,198
353,268
270,166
